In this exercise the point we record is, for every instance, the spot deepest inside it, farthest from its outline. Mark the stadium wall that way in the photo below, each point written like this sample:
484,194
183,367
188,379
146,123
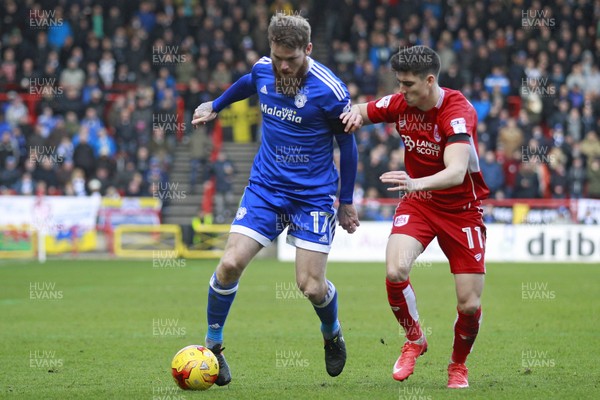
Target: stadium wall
505,243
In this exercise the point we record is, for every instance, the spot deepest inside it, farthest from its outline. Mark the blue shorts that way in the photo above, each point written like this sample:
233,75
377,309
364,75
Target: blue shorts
265,213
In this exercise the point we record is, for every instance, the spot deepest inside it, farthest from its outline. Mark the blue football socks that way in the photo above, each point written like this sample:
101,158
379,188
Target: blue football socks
220,298
327,312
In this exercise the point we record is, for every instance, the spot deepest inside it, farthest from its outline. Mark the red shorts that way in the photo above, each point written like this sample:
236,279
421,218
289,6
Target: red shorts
460,233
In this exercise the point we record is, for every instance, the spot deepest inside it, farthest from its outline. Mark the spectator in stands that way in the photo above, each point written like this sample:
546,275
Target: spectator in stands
65,149
452,79
142,117
200,220
592,85
71,124
83,154
593,175
532,100
45,172
576,77
527,184
16,112
559,184
375,167
142,160
104,145
4,126
588,120
577,177
481,103
106,69
369,81
491,171
25,185
136,187
510,137
8,67
104,179
160,148
47,121
590,146
146,16
64,174
72,76
91,85
125,134
124,76
93,123
71,102
497,79
185,69
224,172
10,175
201,147
8,147
221,76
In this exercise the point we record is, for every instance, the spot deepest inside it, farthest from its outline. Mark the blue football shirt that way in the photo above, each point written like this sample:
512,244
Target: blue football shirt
296,153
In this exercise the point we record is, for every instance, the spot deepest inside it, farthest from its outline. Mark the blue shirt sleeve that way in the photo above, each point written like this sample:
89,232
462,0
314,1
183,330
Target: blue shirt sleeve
337,102
348,164
240,90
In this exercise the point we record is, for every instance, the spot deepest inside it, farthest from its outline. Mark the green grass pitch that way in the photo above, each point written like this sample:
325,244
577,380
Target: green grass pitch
108,329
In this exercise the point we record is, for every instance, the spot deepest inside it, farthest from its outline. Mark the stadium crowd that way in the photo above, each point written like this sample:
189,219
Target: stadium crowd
92,90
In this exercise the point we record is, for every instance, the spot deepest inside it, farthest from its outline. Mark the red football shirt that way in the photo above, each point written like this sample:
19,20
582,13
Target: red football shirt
426,134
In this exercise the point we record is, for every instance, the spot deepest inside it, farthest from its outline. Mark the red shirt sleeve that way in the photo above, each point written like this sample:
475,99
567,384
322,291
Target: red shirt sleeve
385,109
459,118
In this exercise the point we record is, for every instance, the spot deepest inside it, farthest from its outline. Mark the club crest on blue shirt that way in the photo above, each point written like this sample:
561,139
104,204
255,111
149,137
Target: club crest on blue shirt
241,213
300,99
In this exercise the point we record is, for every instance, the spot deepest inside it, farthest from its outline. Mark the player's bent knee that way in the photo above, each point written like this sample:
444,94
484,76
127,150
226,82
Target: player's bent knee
469,307
230,269
313,290
397,274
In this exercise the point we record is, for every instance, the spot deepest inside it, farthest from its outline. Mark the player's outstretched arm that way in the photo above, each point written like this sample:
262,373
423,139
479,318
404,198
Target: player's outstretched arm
203,113
456,160
355,118
240,90
347,214
348,217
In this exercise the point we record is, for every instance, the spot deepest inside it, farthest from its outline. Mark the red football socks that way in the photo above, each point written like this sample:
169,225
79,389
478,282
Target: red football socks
466,328
401,297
